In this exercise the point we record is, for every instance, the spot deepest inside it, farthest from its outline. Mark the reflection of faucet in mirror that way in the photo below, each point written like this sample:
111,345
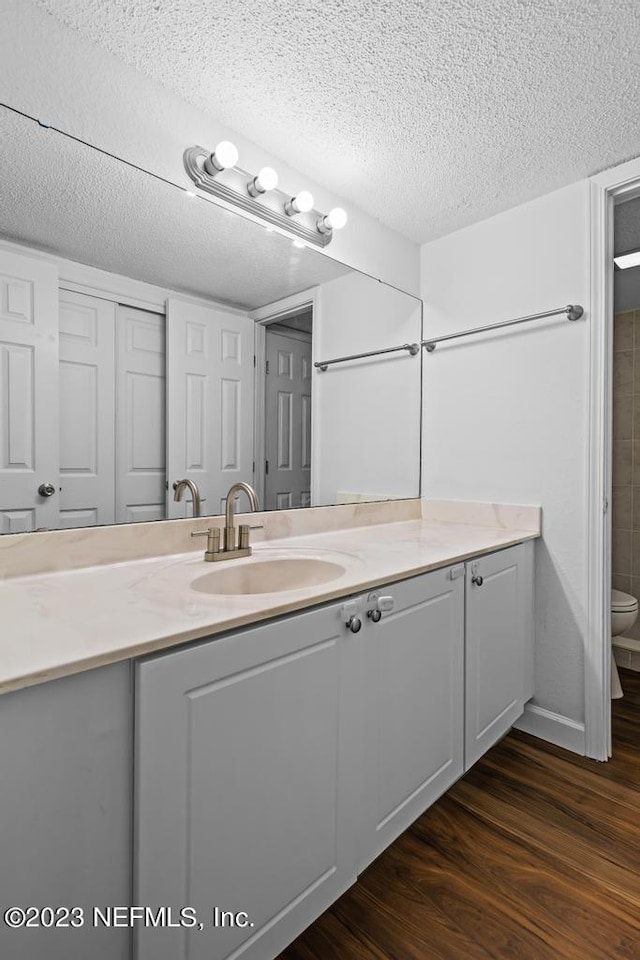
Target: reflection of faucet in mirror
180,486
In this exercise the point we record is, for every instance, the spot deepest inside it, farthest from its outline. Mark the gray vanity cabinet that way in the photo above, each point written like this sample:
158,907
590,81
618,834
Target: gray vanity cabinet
273,764
244,746
65,813
413,706
499,645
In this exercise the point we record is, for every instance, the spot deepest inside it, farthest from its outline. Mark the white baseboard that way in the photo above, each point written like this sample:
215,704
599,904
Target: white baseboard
553,727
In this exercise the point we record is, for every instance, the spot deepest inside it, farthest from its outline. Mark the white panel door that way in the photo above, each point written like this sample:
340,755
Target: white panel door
287,422
141,405
499,617
28,388
209,401
413,690
87,410
244,750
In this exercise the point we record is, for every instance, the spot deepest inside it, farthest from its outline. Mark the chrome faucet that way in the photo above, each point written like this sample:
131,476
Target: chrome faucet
180,486
231,550
229,528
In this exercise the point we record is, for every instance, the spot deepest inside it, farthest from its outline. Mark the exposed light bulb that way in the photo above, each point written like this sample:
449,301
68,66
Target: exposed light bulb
225,155
334,220
267,179
301,203
337,218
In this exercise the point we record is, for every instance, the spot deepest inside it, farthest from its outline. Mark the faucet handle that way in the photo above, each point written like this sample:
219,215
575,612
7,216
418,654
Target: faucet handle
213,540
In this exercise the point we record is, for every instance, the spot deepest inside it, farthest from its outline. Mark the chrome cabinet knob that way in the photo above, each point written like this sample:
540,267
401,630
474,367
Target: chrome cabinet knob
46,489
354,624
379,605
477,580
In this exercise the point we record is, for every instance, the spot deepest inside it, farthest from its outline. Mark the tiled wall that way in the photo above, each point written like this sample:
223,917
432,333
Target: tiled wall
626,457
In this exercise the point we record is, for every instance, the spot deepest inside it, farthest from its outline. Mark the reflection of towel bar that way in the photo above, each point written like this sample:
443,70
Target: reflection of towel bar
412,348
573,312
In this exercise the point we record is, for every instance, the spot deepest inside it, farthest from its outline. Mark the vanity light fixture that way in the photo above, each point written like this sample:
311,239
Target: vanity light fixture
258,195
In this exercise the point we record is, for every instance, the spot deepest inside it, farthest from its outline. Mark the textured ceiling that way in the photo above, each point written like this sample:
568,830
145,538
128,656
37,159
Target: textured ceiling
427,114
69,199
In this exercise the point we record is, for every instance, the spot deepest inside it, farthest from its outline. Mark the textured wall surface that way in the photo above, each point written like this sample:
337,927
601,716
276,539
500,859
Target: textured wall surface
429,115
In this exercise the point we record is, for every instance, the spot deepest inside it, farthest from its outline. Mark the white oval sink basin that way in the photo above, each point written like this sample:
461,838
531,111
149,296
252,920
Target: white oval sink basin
268,576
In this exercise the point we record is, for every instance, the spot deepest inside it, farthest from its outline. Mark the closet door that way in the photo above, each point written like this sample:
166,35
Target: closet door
209,401
140,435
87,410
28,387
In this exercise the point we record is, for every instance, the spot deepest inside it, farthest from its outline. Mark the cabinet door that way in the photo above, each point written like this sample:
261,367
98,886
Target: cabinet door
242,745
65,812
498,658
413,673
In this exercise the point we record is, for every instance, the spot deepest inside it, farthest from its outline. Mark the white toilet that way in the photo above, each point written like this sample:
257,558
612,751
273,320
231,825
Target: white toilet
624,611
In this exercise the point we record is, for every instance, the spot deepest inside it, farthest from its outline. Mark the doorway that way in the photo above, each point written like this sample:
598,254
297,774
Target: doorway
625,499
287,406
607,191
284,351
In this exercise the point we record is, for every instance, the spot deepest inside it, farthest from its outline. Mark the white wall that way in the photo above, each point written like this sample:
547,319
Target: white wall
626,289
380,457
506,414
50,72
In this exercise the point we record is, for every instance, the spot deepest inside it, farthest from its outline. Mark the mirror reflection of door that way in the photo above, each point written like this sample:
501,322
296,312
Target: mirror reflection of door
28,387
288,412
210,400
112,412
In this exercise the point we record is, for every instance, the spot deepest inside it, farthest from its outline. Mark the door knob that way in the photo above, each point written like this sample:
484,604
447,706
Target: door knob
46,489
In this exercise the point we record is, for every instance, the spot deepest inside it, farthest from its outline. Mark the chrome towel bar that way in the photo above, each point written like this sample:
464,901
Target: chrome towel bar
412,348
573,312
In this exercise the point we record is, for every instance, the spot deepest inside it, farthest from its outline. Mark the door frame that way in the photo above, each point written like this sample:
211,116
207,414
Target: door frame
605,191
263,317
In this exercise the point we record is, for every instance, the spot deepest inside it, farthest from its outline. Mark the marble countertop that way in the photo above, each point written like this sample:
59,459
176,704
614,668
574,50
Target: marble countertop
59,623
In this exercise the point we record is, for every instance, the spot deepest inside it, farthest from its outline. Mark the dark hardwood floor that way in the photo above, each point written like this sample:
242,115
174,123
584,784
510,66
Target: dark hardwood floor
535,853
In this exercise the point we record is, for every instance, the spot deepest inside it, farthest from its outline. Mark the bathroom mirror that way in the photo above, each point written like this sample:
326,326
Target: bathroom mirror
149,336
